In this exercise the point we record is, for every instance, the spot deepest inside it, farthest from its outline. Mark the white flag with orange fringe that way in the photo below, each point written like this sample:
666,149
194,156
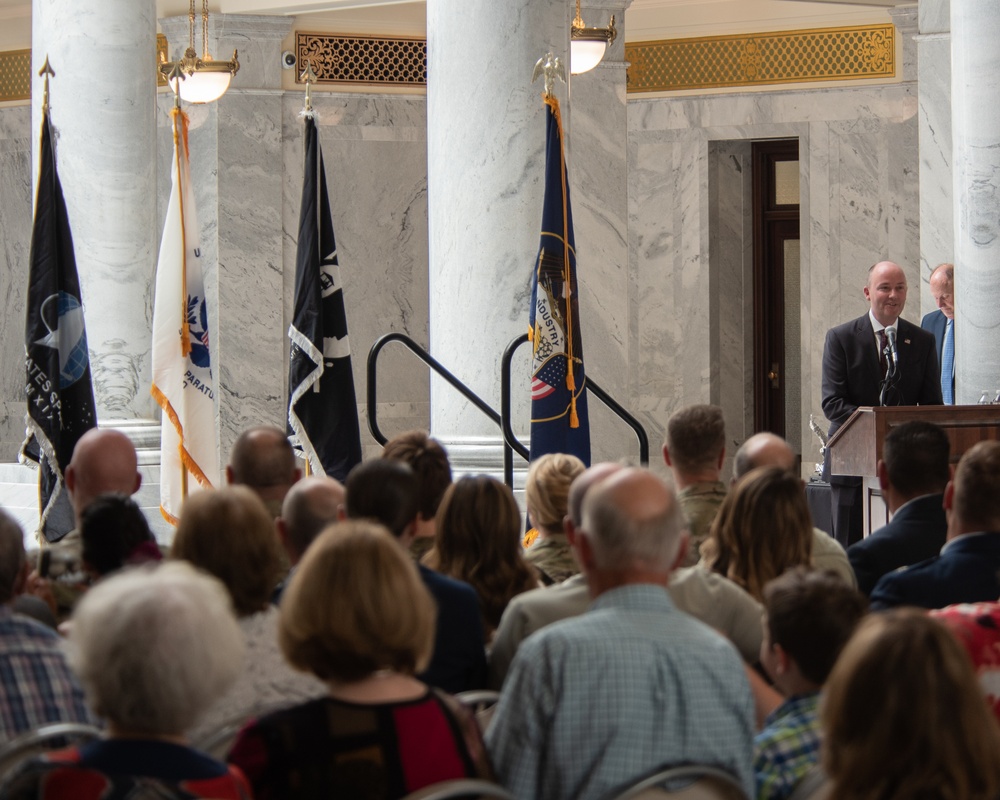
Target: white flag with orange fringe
182,369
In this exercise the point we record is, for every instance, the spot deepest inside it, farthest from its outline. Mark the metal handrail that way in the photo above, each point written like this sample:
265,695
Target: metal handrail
465,391
511,443
592,387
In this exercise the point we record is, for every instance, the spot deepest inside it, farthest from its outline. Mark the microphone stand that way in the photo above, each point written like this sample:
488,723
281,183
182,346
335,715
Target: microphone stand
890,373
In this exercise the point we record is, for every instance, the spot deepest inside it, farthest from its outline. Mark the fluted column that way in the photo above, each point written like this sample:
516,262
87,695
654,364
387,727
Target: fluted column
975,28
103,113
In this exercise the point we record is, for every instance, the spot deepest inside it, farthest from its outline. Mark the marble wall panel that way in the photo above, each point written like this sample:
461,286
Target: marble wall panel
858,151
15,245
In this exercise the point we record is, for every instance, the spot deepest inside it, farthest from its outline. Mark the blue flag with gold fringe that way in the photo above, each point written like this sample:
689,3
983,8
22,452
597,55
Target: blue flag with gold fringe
559,422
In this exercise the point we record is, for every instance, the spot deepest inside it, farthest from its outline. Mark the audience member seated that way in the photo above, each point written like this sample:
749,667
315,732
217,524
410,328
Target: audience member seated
357,616
478,541
387,491
114,533
977,628
429,462
716,601
695,449
912,473
809,616
594,702
229,534
903,717
37,686
546,493
968,569
769,450
763,528
311,505
152,648
262,459
104,460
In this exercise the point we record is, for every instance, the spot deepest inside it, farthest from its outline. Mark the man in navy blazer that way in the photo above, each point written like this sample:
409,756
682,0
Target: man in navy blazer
913,473
942,283
968,569
852,377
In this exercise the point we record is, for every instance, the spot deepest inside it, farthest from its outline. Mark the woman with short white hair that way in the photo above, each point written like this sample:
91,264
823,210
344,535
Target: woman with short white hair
152,649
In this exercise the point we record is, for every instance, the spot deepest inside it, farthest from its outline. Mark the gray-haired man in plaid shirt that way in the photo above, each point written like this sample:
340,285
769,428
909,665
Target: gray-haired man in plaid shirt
595,702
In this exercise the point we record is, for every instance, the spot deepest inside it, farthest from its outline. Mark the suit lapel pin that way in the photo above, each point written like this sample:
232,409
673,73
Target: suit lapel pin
906,341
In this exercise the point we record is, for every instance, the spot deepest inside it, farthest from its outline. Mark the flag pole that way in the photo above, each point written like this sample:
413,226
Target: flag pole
309,77
44,73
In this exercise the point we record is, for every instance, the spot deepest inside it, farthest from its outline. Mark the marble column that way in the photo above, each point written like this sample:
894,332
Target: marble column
975,84
103,116
486,141
237,173
598,136
485,161
937,212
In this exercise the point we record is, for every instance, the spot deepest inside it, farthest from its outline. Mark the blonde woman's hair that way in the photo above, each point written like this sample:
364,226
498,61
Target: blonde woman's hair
355,605
904,718
762,529
547,489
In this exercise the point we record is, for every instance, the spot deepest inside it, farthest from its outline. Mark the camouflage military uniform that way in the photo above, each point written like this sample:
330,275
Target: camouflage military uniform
700,503
552,557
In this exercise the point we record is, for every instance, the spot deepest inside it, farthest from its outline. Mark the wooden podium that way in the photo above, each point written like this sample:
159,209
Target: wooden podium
856,447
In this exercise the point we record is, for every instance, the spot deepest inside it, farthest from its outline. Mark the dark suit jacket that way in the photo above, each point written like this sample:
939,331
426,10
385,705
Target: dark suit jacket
915,533
935,323
851,373
967,571
459,660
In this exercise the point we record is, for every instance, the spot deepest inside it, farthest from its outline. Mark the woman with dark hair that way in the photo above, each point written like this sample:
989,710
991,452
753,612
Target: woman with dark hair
762,529
478,540
358,617
903,717
114,533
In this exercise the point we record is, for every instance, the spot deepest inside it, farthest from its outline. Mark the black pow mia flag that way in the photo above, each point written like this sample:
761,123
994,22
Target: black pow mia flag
58,386
322,409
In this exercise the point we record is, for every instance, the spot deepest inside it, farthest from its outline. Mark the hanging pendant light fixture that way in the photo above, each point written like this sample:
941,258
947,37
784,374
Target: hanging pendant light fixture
199,80
588,45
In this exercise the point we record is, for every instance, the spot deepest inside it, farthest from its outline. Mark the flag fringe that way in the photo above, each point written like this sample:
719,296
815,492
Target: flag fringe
187,460
312,380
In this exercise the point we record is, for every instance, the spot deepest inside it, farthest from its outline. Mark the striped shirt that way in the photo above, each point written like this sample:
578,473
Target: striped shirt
36,684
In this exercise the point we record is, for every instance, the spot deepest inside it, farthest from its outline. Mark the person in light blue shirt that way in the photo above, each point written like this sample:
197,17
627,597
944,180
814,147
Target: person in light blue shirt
593,703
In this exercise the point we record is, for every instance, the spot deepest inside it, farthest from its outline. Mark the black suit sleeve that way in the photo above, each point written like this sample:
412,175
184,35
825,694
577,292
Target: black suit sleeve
837,404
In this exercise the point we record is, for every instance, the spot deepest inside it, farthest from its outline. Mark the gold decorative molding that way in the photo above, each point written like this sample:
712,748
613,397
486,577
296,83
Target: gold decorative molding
378,60
15,71
822,54
15,75
161,50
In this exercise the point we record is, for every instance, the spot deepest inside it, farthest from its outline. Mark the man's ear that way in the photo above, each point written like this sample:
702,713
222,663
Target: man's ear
298,475
882,471
722,458
138,482
949,496
229,474
584,552
782,661
569,529
666,456
70,478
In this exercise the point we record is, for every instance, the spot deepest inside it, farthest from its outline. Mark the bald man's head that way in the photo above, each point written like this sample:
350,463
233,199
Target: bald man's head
582,484
633,522
310,505
103,461
263,460
763,450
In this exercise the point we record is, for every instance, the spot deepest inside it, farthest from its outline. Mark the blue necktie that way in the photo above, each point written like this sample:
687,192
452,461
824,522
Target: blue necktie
948,364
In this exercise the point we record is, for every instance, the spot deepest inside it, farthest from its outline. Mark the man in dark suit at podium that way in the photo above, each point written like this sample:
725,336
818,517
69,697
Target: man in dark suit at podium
862,368
942,324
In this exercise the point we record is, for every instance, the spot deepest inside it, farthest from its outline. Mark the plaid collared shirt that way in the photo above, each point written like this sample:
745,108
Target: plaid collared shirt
36,684
787,747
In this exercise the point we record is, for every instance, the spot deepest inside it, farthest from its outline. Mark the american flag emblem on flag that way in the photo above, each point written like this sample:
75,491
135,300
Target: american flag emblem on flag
552,374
